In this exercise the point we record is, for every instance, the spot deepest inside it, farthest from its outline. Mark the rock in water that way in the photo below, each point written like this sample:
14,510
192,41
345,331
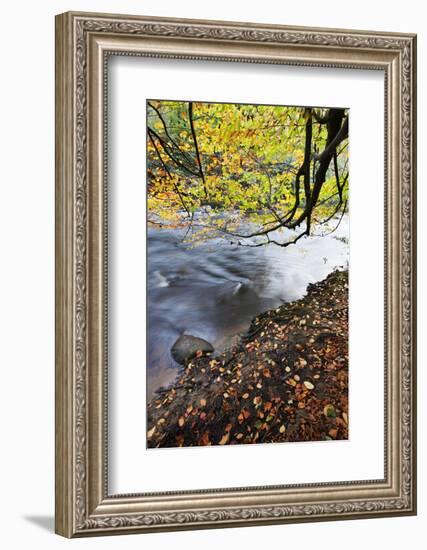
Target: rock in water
187,346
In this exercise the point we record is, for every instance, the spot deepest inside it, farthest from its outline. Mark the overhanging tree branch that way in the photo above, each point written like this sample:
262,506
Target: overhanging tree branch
196,147
175,185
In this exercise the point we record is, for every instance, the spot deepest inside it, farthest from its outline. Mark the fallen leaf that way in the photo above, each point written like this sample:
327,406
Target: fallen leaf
181,421
204,440
282,429
203,402
308,385
329,411
150,433
224,439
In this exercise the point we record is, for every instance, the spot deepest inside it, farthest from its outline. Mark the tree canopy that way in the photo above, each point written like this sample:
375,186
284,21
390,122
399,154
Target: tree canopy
246,171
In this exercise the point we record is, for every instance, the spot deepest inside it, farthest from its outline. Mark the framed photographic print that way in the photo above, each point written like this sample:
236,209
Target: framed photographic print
235,274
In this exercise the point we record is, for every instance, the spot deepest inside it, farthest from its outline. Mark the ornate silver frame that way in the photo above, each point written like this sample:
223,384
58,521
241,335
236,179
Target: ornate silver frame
83,42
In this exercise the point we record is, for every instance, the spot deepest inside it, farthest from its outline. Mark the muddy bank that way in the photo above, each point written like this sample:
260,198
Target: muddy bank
286,380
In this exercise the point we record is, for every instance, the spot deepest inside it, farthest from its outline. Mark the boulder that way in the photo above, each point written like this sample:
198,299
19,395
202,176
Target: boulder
187,346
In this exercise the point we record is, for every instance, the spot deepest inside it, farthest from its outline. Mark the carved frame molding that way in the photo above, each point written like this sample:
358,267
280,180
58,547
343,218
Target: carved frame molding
83,43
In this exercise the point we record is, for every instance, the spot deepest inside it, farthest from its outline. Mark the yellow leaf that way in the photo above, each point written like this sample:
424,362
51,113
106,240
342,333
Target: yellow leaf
224,438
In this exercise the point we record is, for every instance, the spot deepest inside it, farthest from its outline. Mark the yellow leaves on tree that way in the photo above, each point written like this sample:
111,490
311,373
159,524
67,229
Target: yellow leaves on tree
239,159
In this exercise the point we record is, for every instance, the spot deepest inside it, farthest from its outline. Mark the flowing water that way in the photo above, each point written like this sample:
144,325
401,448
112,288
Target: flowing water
214,289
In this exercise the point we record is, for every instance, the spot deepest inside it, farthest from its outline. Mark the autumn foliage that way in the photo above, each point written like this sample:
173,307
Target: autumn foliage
214,167
286,380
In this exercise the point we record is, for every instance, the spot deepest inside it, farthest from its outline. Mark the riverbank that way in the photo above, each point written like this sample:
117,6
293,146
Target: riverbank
286,380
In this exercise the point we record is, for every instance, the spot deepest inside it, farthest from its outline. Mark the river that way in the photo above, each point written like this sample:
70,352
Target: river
214,289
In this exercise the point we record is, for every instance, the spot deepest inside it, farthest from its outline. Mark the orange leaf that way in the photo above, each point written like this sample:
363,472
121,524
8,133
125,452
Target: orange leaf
204,440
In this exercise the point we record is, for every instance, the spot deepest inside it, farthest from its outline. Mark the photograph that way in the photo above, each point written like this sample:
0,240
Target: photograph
235,270
248,229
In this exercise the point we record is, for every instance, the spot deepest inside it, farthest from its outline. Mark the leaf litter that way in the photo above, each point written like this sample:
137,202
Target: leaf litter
286,380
